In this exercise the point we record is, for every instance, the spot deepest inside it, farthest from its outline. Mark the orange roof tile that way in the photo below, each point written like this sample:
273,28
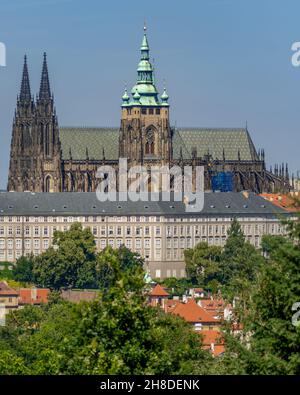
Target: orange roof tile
158,291
211,336
284,201
192,312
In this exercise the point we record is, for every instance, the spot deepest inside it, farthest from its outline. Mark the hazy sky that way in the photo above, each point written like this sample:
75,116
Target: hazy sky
224,62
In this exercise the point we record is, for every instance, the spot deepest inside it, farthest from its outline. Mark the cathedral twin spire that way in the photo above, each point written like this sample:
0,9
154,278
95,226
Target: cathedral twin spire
25,92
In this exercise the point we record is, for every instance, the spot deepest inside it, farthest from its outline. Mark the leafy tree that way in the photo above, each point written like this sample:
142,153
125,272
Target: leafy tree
271,343
240,262
203,263
111,263
116,334
71,264
23,269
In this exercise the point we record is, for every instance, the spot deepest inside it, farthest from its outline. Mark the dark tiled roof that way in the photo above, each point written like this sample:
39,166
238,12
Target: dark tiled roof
86,203
95,140
214,141
232,140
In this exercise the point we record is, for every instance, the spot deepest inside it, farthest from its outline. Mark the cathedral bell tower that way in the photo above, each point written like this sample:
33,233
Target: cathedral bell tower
22,161
145,133
48,144
35,157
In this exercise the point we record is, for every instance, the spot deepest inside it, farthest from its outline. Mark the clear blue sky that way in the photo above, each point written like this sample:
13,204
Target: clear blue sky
224,62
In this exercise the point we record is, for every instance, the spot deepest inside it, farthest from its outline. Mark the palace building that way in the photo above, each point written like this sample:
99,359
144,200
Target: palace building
45,157
158,231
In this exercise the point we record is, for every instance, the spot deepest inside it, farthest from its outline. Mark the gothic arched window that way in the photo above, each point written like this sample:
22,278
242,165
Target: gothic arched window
48,184
149,144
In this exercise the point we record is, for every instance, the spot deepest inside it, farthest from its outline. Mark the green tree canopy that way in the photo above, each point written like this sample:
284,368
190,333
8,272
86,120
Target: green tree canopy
71,262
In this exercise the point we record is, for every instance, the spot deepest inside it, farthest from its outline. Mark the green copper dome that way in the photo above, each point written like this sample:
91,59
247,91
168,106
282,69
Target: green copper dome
144,92
125,98
136,97
164,98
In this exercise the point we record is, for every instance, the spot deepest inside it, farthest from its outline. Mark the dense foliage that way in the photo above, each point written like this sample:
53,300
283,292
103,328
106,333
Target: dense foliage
116,334
120,334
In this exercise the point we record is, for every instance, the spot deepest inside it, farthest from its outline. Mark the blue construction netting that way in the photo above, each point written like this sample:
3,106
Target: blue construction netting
223,182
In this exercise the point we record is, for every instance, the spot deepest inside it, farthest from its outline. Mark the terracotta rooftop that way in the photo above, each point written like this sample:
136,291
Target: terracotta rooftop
211,336
213,304
6,290
192,312
158,290
213,341
286,202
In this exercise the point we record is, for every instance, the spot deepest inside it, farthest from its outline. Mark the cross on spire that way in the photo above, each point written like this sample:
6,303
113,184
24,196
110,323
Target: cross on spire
45,86
25,85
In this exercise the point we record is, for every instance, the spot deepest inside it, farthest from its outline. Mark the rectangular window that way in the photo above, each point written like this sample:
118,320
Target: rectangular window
147,243
144,111
151,111
119,243
111,243
46,244
128,244
157,111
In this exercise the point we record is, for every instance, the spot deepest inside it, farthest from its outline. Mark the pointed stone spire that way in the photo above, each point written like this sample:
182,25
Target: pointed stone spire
25,86
45,93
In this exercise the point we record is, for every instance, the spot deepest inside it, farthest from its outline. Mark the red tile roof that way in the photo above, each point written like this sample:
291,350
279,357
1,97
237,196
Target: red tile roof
5,290
284,201
170,305
213,341
192,312
211,336
213,304
158,290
